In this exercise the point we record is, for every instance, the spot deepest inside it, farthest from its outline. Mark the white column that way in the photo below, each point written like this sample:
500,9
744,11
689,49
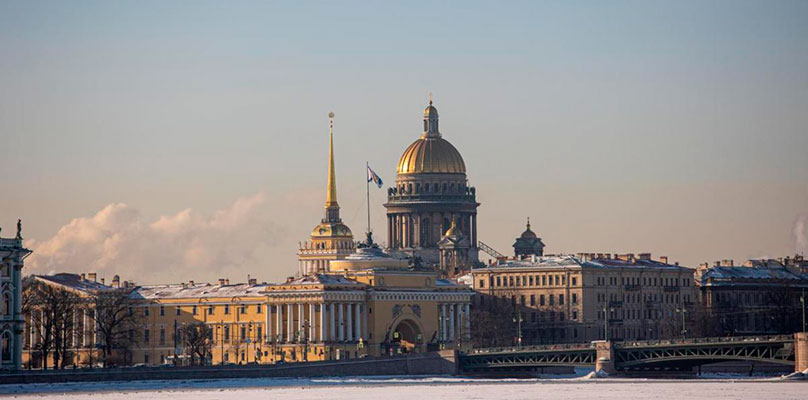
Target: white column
443,322
84,338
332,331
358,328
279,322
349,323
322,322
289,323
451,322
311,322
268,329
301,330
341,318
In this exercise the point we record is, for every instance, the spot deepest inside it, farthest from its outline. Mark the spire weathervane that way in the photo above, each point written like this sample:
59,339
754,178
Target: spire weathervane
430,98
331,194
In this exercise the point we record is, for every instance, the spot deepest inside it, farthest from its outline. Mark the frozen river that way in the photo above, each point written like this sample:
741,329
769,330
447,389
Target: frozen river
419,389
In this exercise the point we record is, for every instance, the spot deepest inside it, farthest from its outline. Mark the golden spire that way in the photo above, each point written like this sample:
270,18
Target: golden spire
331,194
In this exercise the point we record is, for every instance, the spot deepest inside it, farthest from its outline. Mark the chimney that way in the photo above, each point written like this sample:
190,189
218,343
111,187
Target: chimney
116,281
644,256
183,285
676,263
227,281
83,277
190,283
716,263
92,276
663,259
221,281
102,281
252,281
289,279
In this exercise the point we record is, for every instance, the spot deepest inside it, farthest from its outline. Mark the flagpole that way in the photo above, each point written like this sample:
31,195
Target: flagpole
367,189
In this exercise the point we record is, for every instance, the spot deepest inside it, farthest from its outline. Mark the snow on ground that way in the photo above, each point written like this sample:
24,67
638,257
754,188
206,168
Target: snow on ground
409,388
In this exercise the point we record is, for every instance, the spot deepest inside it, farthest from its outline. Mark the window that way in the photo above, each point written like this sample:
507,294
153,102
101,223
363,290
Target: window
146,311
574,281
482,283
575,298
226,309
575,316
544,280
193,310
541,300
499,282
561,299
522,300
259,332
145,358
146,335
210,310
162,335
259,309
226,333
243,332
177,310
243,310
531,280
162,311
532,299
552,300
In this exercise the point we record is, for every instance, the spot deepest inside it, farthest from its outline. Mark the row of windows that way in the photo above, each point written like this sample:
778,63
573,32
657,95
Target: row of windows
649,297
528,281
224,334
211,310
646,281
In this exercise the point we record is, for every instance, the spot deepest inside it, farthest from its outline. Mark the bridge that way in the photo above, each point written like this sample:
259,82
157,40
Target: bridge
628,356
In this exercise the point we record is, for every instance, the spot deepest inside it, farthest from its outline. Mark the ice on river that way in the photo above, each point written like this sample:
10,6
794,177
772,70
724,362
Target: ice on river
408,388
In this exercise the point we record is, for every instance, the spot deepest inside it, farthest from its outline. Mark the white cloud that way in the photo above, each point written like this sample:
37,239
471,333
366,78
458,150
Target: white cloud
119,240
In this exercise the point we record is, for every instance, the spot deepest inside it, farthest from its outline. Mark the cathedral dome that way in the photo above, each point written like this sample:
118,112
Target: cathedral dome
431,155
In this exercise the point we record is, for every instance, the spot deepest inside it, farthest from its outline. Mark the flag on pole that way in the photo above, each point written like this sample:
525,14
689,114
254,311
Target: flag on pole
373,177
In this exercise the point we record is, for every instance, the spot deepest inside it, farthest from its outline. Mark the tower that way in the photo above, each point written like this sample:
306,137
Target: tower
528,244
431,191
330,239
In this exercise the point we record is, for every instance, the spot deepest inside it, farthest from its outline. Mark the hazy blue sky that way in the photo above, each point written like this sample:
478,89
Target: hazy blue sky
187,140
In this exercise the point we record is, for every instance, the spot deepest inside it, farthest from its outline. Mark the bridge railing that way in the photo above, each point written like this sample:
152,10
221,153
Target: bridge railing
706,340
549,347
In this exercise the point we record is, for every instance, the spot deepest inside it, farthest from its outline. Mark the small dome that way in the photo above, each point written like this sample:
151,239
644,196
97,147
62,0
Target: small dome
528,234
331,229
430,111
431,155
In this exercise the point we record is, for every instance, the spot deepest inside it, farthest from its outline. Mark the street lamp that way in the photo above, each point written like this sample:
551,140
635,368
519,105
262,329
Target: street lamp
518,321
683,311
606,314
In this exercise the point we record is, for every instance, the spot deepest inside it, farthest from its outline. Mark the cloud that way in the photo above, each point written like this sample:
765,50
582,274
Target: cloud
801,234
119,240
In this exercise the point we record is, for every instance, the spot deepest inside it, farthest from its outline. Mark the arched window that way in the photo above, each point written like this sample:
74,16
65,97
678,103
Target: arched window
5,342
5,306
424,241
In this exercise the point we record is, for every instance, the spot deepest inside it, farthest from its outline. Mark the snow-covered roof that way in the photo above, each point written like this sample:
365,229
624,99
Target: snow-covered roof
180,291
573,261
321,279
756,272
74,281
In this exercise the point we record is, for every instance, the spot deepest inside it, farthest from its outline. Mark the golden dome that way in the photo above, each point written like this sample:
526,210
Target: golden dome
331,229
431,155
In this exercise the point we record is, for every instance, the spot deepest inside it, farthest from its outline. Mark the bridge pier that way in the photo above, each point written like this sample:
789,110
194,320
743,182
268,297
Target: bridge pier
604,356
800,351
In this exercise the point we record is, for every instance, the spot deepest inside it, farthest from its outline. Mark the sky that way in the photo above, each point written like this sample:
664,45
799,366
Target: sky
174,141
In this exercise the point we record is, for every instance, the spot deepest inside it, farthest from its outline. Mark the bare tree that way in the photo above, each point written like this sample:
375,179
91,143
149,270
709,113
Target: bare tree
197,338
492,322
50,311
115,321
